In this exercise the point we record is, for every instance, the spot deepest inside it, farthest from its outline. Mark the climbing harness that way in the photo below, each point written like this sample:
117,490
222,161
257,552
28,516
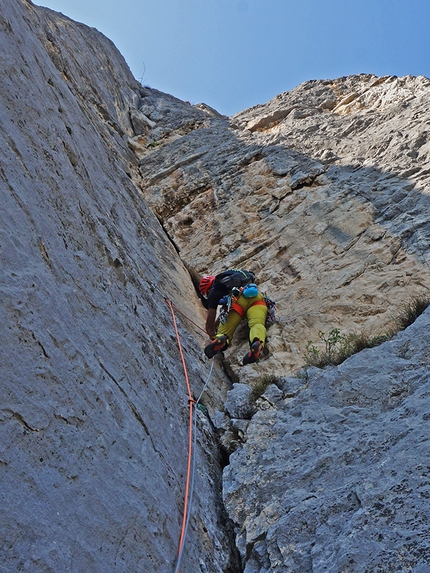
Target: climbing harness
229,302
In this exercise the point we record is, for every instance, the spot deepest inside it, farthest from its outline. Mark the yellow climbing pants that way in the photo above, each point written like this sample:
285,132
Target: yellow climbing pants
255,311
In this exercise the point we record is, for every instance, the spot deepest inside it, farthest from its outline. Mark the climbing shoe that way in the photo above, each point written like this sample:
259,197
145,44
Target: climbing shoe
218,344
254,352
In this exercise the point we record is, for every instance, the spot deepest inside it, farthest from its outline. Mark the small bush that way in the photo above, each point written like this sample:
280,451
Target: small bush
411,310
338,347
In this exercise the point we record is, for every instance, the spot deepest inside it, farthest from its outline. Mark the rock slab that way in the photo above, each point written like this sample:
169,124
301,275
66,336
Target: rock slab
94,406
336,476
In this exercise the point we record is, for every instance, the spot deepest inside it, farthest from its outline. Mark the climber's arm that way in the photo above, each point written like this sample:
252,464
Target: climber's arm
210,322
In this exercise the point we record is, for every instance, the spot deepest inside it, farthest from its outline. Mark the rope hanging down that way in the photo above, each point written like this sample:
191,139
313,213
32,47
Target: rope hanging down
190,433
192,439
193,471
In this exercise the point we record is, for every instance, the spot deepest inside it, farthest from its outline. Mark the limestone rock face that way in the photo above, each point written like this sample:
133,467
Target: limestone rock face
317,193
323,193
335,476
94,406
115,198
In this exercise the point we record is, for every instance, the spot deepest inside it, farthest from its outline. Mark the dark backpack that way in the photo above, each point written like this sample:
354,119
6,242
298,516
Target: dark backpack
235,278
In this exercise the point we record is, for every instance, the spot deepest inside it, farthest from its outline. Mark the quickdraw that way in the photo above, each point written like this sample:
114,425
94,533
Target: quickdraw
227,301
271,310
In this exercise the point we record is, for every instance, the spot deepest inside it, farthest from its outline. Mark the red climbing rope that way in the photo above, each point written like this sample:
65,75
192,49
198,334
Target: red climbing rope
191,402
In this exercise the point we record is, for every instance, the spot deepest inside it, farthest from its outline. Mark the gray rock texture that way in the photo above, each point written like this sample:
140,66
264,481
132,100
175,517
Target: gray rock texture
93,415
336,476
115,198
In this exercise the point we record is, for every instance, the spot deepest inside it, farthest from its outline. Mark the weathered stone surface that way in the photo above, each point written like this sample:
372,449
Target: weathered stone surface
238,403
305,192
335,477
338,243
373,126
323,192
94,406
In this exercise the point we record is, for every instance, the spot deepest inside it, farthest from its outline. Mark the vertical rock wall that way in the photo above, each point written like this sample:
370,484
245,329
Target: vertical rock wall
329,206
337,243
324,193
94,408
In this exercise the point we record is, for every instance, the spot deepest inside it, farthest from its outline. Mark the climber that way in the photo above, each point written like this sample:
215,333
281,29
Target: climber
239,296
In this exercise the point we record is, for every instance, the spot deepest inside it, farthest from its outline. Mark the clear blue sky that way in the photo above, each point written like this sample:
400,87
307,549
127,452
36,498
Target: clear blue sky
232,54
